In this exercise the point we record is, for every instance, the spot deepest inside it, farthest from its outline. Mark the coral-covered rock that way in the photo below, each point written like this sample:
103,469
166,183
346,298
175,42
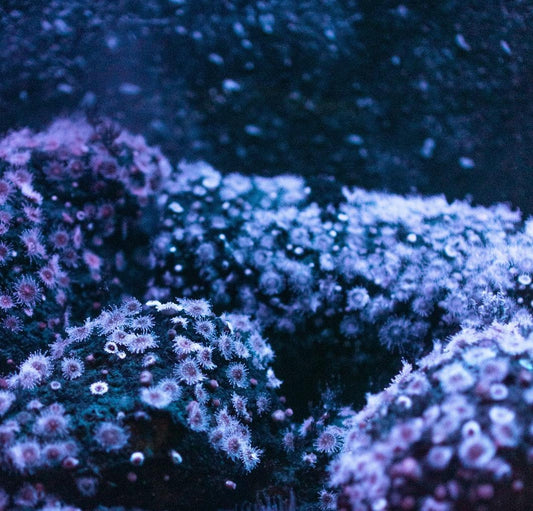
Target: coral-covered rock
72,200
454,433
402,267
352,287
175,394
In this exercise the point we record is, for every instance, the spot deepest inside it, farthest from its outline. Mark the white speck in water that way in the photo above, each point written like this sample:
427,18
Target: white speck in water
129,89
427,148
505,47
466,163
461,42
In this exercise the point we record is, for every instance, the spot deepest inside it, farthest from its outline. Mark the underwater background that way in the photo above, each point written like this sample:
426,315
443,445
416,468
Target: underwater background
435,97
270,255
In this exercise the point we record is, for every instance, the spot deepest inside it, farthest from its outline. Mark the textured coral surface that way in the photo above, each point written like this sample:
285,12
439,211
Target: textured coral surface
178,338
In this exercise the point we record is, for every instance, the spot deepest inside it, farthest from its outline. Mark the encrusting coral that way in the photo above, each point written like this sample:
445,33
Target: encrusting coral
130,387
354,286
169,400
74,203
453,433
404,267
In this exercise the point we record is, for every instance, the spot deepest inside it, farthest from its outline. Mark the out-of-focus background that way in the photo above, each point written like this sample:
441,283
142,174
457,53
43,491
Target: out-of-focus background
435,97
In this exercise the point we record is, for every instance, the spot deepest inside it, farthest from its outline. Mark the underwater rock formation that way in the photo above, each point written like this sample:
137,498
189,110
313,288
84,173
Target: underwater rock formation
175,404
375,275
129,395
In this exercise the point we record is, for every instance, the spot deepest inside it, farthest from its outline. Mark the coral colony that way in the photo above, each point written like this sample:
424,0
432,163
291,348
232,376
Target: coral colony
145,310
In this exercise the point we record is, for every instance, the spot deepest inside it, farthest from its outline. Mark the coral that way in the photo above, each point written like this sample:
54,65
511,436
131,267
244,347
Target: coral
452,433
145,372
170,400
259,246
354,286
71,200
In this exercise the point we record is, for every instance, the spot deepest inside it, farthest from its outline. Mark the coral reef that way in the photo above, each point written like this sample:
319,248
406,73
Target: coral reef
174,403
375,275
259,245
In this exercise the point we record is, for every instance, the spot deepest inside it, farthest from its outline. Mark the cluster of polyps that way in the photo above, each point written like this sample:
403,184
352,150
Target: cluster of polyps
455,430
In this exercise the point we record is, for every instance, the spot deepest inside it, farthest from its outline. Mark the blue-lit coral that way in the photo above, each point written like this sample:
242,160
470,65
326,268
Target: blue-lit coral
452,433
175,397
376,267
176,363
71,200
